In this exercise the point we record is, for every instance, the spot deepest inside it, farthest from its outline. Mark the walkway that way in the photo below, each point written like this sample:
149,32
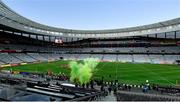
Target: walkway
110,97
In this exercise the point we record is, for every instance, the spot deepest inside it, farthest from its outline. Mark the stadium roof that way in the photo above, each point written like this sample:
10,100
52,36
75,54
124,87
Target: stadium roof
10,18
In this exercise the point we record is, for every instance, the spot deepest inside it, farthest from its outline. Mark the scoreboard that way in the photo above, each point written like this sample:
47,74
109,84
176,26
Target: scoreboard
58,41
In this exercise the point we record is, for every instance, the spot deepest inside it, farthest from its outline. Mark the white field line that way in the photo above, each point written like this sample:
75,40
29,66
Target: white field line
159,76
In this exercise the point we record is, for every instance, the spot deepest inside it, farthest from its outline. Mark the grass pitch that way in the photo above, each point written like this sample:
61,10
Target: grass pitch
129,73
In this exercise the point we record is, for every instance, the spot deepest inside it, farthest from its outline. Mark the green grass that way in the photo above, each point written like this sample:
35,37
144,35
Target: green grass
124,72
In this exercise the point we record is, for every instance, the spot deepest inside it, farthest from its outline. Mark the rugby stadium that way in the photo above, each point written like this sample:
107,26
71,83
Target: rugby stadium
35,61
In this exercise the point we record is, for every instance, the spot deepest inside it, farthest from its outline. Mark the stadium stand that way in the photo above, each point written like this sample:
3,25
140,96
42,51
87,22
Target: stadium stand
141,59
37,56
144,55
23,57
134,96
84,56
50,56
125,58
110,57
157,58
5,57
98,56
171,58
1,63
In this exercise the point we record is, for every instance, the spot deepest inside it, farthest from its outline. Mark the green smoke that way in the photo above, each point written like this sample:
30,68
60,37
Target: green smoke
82,72
74,71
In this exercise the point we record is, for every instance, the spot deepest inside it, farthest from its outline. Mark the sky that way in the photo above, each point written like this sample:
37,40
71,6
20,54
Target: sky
96,14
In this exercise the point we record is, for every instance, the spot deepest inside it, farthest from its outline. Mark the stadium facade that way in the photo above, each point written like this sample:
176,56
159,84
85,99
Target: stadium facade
13,20
23,41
